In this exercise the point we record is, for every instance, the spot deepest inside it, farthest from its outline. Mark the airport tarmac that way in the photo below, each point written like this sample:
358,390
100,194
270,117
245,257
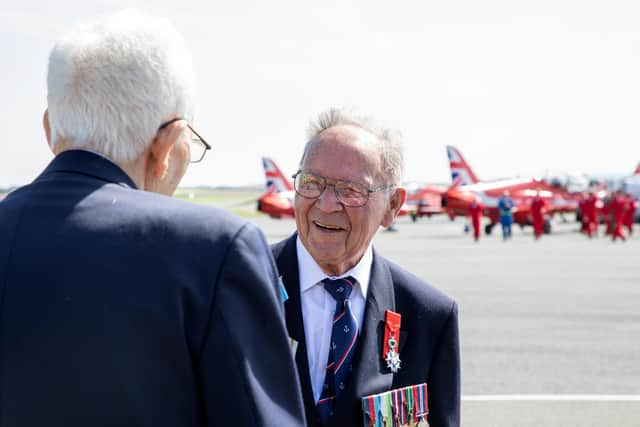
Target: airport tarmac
549,329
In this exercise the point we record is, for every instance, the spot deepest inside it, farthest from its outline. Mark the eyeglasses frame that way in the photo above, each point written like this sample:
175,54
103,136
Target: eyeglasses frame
335,190
200,138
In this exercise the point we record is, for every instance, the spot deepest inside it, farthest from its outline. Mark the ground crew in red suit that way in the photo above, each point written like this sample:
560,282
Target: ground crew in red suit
595,217
630,213
617,208
538,209
607,214
590,215
475,212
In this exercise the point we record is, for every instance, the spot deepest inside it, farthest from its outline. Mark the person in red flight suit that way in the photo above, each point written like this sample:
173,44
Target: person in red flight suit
629,213
608,215
538,209
595,217
590,215
475,212
617,208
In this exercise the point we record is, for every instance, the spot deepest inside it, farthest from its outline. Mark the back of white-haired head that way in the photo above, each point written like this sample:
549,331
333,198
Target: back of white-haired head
113,81
389,140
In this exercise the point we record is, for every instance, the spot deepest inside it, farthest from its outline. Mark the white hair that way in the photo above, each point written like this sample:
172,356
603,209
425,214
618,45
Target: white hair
113,81
389,140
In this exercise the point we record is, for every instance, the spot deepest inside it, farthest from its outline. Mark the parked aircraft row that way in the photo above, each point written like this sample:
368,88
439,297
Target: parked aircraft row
455,200
467,187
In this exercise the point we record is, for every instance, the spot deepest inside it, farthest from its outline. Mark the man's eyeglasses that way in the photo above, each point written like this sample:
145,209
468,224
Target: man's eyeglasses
197,145
352,194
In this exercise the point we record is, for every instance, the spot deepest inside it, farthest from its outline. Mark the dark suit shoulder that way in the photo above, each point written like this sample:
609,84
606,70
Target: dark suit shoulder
171,220
278,248
171,210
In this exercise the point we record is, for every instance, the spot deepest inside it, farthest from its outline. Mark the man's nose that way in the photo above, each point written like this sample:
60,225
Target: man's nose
328,200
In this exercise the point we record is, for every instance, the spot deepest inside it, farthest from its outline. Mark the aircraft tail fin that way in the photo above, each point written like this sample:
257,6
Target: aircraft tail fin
276,181
460,169
456,182
637,171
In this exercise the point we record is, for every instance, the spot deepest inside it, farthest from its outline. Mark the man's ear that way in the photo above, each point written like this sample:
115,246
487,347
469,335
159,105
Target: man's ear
396,201
158,161
47,128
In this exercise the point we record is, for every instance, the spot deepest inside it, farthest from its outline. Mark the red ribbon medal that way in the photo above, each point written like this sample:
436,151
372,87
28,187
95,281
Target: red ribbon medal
391,342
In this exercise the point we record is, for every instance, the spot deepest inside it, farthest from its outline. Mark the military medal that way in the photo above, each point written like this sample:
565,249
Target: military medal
392,357
422,405
401,407
391,342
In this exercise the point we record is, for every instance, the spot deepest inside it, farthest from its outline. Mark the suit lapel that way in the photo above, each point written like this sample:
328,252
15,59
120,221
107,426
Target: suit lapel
287,262
370,374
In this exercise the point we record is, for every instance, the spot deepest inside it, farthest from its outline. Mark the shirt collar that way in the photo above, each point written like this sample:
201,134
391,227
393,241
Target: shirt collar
311,274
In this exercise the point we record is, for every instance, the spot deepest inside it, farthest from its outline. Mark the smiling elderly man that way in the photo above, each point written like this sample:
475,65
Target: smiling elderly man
366,328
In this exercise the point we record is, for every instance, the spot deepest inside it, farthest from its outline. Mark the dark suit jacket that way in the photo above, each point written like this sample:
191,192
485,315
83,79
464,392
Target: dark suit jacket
120,307
429,347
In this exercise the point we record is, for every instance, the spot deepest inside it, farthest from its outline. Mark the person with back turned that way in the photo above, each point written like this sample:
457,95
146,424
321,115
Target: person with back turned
120,306
367,330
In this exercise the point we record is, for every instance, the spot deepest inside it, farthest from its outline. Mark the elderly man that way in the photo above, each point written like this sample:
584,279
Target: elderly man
118,306
364,326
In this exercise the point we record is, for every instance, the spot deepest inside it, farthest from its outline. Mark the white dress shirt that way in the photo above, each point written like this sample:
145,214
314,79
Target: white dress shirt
318,308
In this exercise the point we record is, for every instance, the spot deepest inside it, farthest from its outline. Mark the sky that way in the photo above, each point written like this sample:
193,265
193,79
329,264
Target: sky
521,88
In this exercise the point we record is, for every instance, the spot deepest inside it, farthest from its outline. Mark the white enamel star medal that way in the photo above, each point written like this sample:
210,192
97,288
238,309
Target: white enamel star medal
391,340
392,357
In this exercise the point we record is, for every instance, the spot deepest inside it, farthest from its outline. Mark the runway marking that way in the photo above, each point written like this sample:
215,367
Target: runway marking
554,397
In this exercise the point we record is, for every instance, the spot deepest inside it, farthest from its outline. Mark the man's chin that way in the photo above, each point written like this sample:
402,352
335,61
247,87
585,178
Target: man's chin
324,252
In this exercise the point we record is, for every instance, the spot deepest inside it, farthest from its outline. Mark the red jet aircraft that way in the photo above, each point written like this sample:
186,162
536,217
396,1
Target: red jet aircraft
425,201
466,187
277,202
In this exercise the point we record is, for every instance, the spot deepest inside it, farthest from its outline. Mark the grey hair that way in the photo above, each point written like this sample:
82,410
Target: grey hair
114,80
390,140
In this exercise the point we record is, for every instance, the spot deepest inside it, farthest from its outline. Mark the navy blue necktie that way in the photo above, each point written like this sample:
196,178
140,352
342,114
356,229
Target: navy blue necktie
343,344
